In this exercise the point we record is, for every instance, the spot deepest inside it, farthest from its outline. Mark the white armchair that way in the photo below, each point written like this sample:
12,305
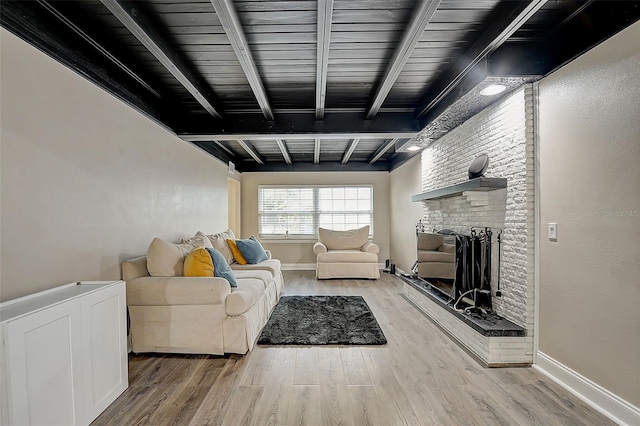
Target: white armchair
346,254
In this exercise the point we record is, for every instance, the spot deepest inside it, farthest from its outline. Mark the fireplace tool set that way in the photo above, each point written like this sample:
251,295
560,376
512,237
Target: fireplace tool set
473,266
474,254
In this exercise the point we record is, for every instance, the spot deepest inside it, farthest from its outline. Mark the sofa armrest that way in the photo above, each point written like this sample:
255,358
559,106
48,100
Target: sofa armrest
268,252
166,291
239,302
319,248
370,247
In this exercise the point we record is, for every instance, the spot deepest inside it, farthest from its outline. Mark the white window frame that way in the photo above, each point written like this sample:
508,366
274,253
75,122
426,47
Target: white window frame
316,211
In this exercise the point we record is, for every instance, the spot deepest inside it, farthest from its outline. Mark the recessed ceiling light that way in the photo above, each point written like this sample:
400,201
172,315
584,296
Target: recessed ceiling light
413,148
494,89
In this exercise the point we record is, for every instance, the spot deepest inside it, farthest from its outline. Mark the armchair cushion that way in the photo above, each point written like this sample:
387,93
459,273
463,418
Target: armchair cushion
429,241
347,256
352,239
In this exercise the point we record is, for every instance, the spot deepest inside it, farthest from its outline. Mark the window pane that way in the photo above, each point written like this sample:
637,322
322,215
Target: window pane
291,210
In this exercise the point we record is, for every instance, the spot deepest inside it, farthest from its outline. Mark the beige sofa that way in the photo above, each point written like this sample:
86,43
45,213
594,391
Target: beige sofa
436,255
200,315
346,254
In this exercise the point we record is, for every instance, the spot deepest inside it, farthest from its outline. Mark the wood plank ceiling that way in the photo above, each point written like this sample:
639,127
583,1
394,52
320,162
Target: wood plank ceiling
309,85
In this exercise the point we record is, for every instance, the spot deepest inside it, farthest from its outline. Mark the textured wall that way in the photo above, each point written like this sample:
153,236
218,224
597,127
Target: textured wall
405,182
301,253
86,181
589,133
504,131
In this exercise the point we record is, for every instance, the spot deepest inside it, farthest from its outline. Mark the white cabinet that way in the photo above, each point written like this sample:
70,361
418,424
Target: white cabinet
64,354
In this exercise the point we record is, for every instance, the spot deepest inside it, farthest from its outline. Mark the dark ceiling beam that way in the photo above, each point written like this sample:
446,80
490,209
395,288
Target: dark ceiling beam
213,148
308,166
510,16
143,29
36,25
86,37
304,126
284,151
349,151
384,147
325,12
420,18
231,23
221,145
251,151
316,150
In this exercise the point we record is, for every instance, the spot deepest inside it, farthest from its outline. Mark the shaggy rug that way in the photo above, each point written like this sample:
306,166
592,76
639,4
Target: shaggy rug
322,320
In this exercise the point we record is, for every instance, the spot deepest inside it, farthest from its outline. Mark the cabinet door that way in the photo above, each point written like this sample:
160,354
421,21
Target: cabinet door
104,334
44,367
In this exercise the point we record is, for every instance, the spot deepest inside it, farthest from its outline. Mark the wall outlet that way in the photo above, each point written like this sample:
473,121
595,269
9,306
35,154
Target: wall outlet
553,231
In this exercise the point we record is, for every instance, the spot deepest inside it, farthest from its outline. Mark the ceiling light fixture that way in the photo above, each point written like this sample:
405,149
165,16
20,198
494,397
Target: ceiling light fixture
413,148
494,89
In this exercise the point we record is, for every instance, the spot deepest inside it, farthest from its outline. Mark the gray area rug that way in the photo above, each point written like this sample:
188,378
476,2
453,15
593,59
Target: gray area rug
322,320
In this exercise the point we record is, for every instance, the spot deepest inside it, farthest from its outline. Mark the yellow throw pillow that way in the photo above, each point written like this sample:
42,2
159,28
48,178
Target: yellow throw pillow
198,263
237,254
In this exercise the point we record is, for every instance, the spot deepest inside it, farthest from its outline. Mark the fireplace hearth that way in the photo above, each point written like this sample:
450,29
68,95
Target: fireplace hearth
485,322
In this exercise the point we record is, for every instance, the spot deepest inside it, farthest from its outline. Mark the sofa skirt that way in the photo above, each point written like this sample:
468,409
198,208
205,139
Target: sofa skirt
347,270
241,331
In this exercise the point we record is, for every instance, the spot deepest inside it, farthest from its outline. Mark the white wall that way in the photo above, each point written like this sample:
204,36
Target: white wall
301,253
86,181
589,133
405,182
504,131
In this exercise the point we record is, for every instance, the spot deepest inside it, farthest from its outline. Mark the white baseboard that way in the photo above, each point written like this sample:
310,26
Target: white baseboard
307,266
602,400
298,266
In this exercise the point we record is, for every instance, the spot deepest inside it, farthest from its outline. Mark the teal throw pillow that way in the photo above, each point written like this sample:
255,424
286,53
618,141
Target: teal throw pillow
221,268
252,250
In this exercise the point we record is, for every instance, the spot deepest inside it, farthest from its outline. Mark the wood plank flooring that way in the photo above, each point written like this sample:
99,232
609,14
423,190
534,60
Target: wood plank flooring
419,378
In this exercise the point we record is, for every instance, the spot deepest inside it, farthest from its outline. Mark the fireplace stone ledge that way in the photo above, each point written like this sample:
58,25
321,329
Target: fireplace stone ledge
506,345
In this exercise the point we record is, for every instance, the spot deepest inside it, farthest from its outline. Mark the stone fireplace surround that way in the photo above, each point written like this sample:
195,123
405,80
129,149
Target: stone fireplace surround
504,131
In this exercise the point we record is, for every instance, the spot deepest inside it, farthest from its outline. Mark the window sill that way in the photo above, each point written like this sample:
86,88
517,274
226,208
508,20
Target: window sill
277,240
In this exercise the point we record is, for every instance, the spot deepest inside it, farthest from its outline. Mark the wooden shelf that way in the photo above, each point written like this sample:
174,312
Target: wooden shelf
477,184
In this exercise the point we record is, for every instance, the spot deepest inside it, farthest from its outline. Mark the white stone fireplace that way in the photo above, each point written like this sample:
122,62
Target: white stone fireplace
504,131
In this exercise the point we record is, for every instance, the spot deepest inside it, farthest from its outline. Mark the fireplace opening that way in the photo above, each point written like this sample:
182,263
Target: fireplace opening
459,265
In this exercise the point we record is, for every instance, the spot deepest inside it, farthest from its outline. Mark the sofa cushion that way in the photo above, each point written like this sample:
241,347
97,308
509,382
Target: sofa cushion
344,240
235,251
219,242
271,265
198,263
221,267
243,297
435,256
265,276
165,259
252,250
347,256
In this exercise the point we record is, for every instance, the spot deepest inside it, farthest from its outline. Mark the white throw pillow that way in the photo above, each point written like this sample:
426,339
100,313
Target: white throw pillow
165,259
199,240
219,242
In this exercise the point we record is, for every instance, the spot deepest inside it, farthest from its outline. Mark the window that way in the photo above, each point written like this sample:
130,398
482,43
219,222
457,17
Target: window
298,211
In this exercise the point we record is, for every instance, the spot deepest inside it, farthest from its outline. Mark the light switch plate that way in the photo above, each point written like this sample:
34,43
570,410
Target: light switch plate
553,231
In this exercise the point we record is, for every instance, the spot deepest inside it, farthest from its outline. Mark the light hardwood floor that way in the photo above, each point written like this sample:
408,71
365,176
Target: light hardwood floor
419,378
